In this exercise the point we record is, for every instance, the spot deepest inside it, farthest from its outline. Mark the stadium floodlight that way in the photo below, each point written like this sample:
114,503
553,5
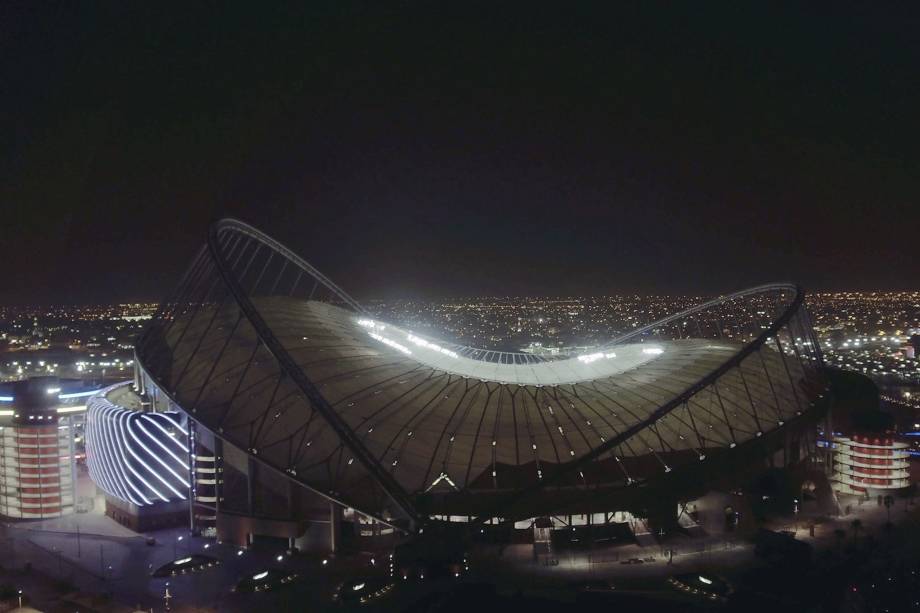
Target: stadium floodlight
77,395
391,343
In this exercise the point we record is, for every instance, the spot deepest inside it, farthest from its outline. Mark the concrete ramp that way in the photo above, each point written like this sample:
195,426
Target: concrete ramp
643,534
690,526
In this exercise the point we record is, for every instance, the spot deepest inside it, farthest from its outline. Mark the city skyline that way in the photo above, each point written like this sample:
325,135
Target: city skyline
862,331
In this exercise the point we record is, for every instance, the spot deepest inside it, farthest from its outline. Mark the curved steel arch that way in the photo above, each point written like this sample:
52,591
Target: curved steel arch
235,225
170,311
797,301
316,399
691,391
488,355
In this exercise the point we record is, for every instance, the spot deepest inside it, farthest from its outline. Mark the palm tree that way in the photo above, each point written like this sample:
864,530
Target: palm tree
840,534
888,527
856,524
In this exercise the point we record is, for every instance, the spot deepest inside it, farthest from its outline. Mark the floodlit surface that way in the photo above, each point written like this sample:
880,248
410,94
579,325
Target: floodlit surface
570,370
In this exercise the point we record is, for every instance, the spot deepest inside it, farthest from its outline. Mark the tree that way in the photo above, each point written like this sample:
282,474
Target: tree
856,524
840,534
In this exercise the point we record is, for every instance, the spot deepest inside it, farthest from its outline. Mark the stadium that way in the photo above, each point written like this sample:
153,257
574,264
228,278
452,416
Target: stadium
296,411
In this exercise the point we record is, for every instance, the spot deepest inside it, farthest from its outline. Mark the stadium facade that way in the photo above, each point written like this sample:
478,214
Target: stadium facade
297,408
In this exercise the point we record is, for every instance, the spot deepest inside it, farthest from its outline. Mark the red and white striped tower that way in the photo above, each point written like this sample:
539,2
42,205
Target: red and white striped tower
866,463
36,451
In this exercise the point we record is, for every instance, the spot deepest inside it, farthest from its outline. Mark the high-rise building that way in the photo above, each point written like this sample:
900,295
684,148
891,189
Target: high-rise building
37,452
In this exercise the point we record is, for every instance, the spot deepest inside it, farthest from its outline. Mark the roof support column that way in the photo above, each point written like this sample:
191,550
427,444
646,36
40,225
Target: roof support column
335,527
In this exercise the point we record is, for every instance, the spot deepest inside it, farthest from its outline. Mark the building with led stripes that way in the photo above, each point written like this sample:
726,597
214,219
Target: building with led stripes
37,449
140,459
870,464
302,408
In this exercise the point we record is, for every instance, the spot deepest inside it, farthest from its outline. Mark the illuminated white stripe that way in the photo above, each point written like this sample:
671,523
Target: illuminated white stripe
140,477
165,431
135,421
150,470
121,419
6,399
158,459
97,455
112,415
162,446
108,450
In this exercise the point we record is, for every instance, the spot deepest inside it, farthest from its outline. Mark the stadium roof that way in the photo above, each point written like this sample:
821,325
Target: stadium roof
274,358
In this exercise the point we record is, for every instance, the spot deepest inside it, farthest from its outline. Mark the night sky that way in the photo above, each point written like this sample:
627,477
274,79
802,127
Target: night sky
416,150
